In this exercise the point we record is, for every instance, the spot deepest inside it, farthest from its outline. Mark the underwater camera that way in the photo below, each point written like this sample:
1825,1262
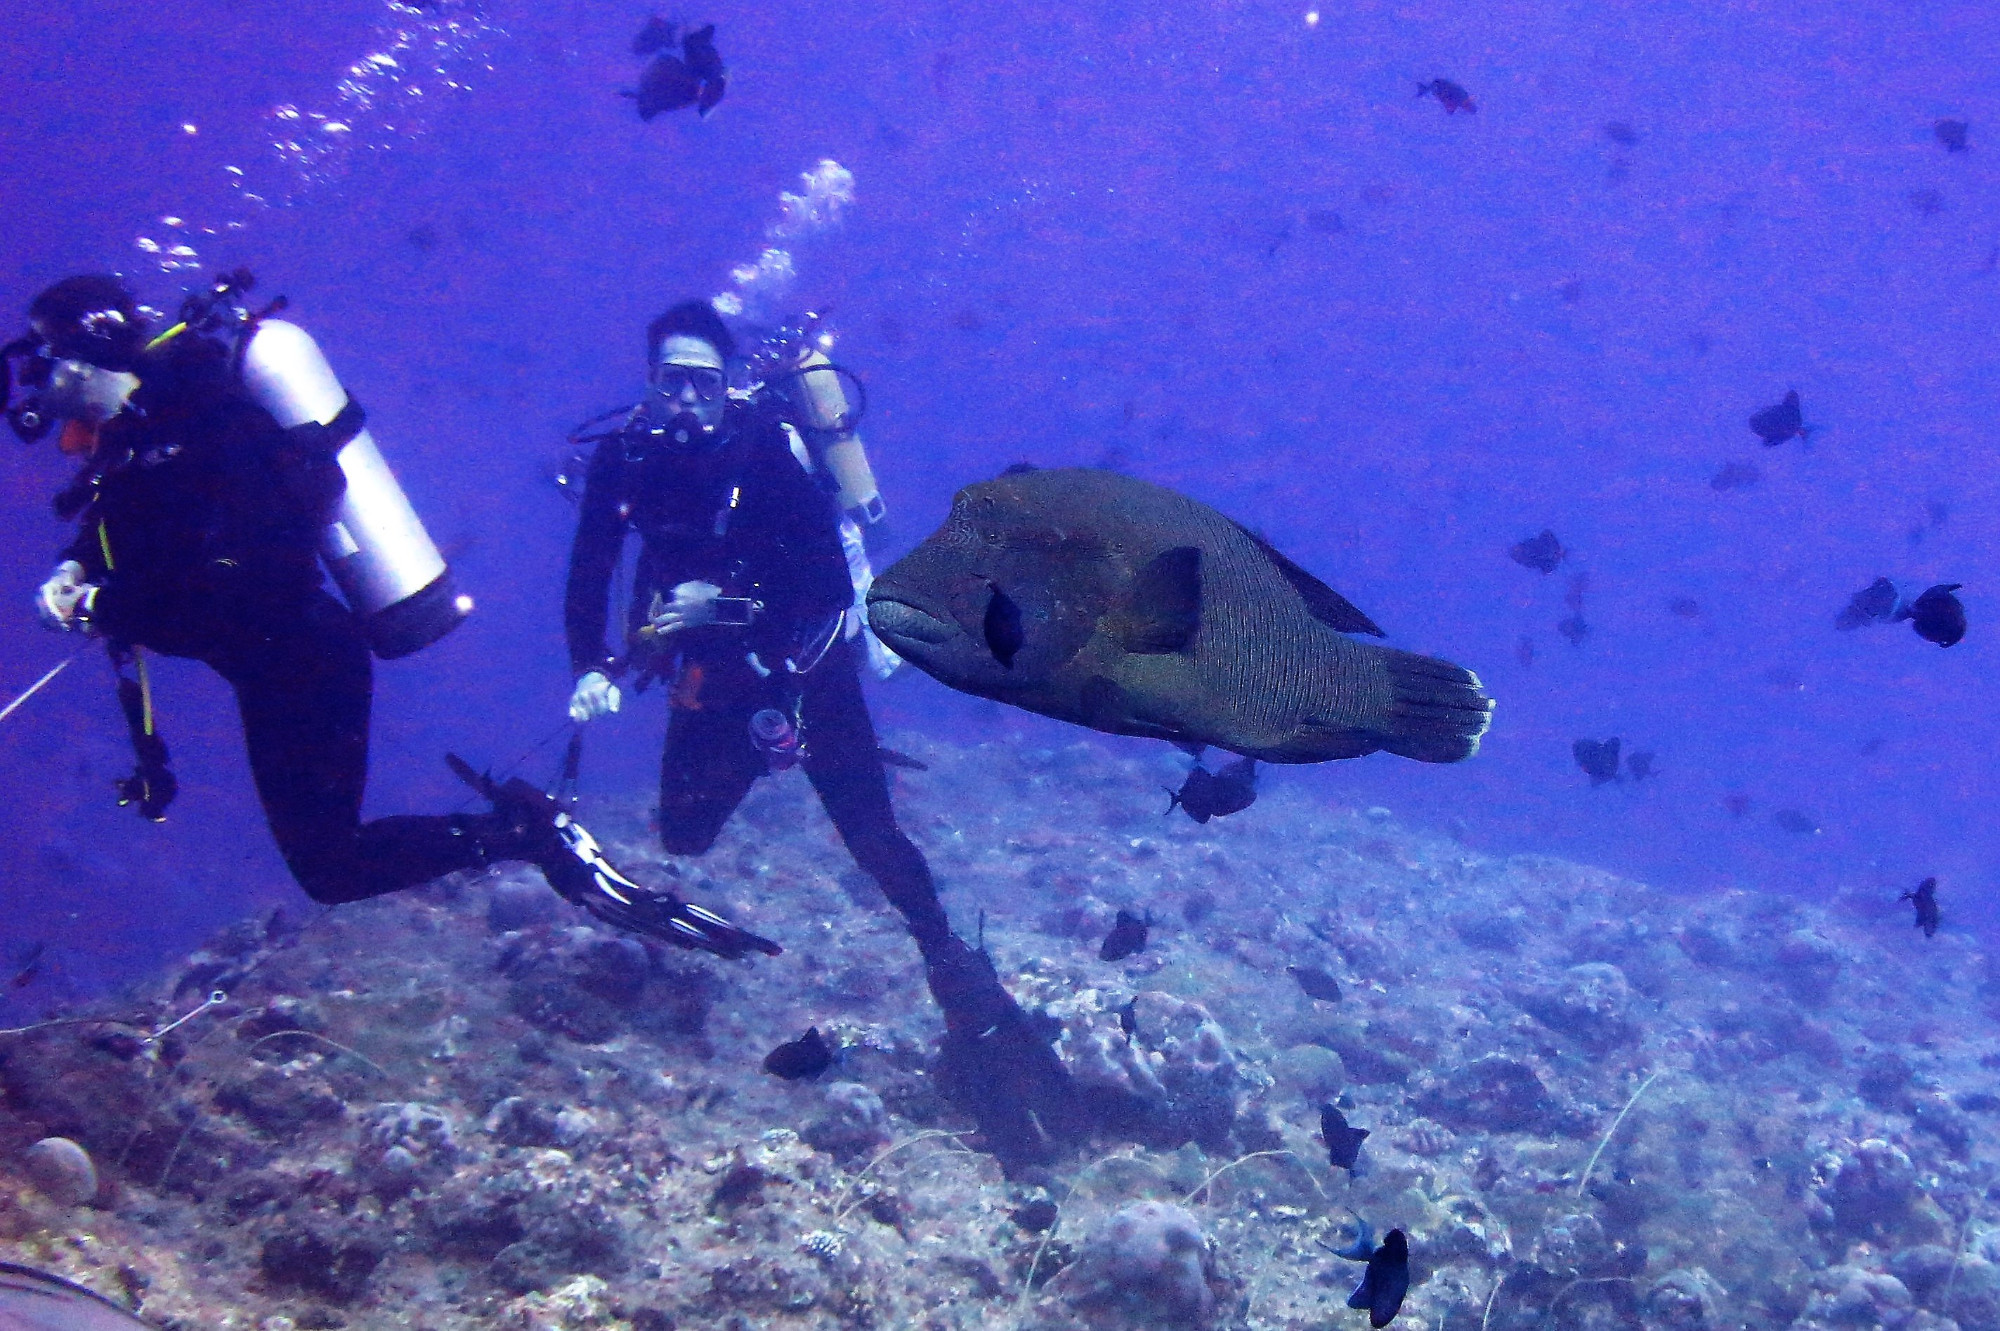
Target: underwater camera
26,418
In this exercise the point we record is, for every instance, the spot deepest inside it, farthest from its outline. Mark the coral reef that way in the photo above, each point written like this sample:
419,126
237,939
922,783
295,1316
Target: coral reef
1590,1104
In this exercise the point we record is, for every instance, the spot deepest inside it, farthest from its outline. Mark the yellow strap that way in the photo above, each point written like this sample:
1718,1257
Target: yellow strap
145,690
138,655
167,336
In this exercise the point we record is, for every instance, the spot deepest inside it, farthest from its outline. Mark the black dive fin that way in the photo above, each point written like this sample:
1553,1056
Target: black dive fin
1323,603
1165,612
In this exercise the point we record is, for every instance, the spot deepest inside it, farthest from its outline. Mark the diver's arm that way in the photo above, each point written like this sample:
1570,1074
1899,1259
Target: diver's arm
593,557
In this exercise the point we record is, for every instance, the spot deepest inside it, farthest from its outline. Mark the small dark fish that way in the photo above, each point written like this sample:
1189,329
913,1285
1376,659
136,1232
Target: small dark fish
1343,1144
32,1300
1937,615
1205,794
1579,583
1794,821
1450,96
27,965
1873,604
1574,628
1599,758
1951,133
895,759
657,35
1736,476
1640,765
1541,553
1128,1017
1385,1282
705,63
800,1059
694,78
1738,805
1316,983
1924,898
1621,133
1128,935
1004,634
1928,202
1774,425
1037,1217
1685,606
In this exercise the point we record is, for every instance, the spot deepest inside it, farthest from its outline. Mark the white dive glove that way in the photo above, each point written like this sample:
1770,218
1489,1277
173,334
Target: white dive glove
595,695
65,600
693,605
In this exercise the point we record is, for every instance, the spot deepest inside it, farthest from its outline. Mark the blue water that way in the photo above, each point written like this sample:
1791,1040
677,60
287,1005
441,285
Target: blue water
1105,234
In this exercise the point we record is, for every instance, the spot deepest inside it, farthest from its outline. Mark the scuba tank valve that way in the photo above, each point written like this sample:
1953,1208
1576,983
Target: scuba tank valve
387,566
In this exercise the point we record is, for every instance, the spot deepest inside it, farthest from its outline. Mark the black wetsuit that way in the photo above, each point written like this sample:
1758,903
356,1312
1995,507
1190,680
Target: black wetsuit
778,543
745,516
201,520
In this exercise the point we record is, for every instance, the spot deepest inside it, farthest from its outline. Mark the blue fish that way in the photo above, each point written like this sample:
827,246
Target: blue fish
1385,1282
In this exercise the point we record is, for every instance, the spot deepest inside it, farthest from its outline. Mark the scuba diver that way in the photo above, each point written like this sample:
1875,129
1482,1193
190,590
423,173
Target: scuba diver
741,601
203,523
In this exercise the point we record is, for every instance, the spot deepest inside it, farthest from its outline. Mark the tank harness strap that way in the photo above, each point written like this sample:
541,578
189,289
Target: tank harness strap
152,785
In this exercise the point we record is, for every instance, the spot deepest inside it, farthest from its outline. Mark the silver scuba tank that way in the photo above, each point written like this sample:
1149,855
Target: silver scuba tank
384,561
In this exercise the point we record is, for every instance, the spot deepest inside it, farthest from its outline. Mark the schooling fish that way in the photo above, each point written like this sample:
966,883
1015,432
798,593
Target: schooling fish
657,35
694,78
32,1300
1597,757
1385,1282
1343,1144
27,965
1774,425
1937,615
1316,983
1134,610
799,1059
1640,765
1541,553
1951,133
1128,935
1205,794
1873,604
1924,898
1450,96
